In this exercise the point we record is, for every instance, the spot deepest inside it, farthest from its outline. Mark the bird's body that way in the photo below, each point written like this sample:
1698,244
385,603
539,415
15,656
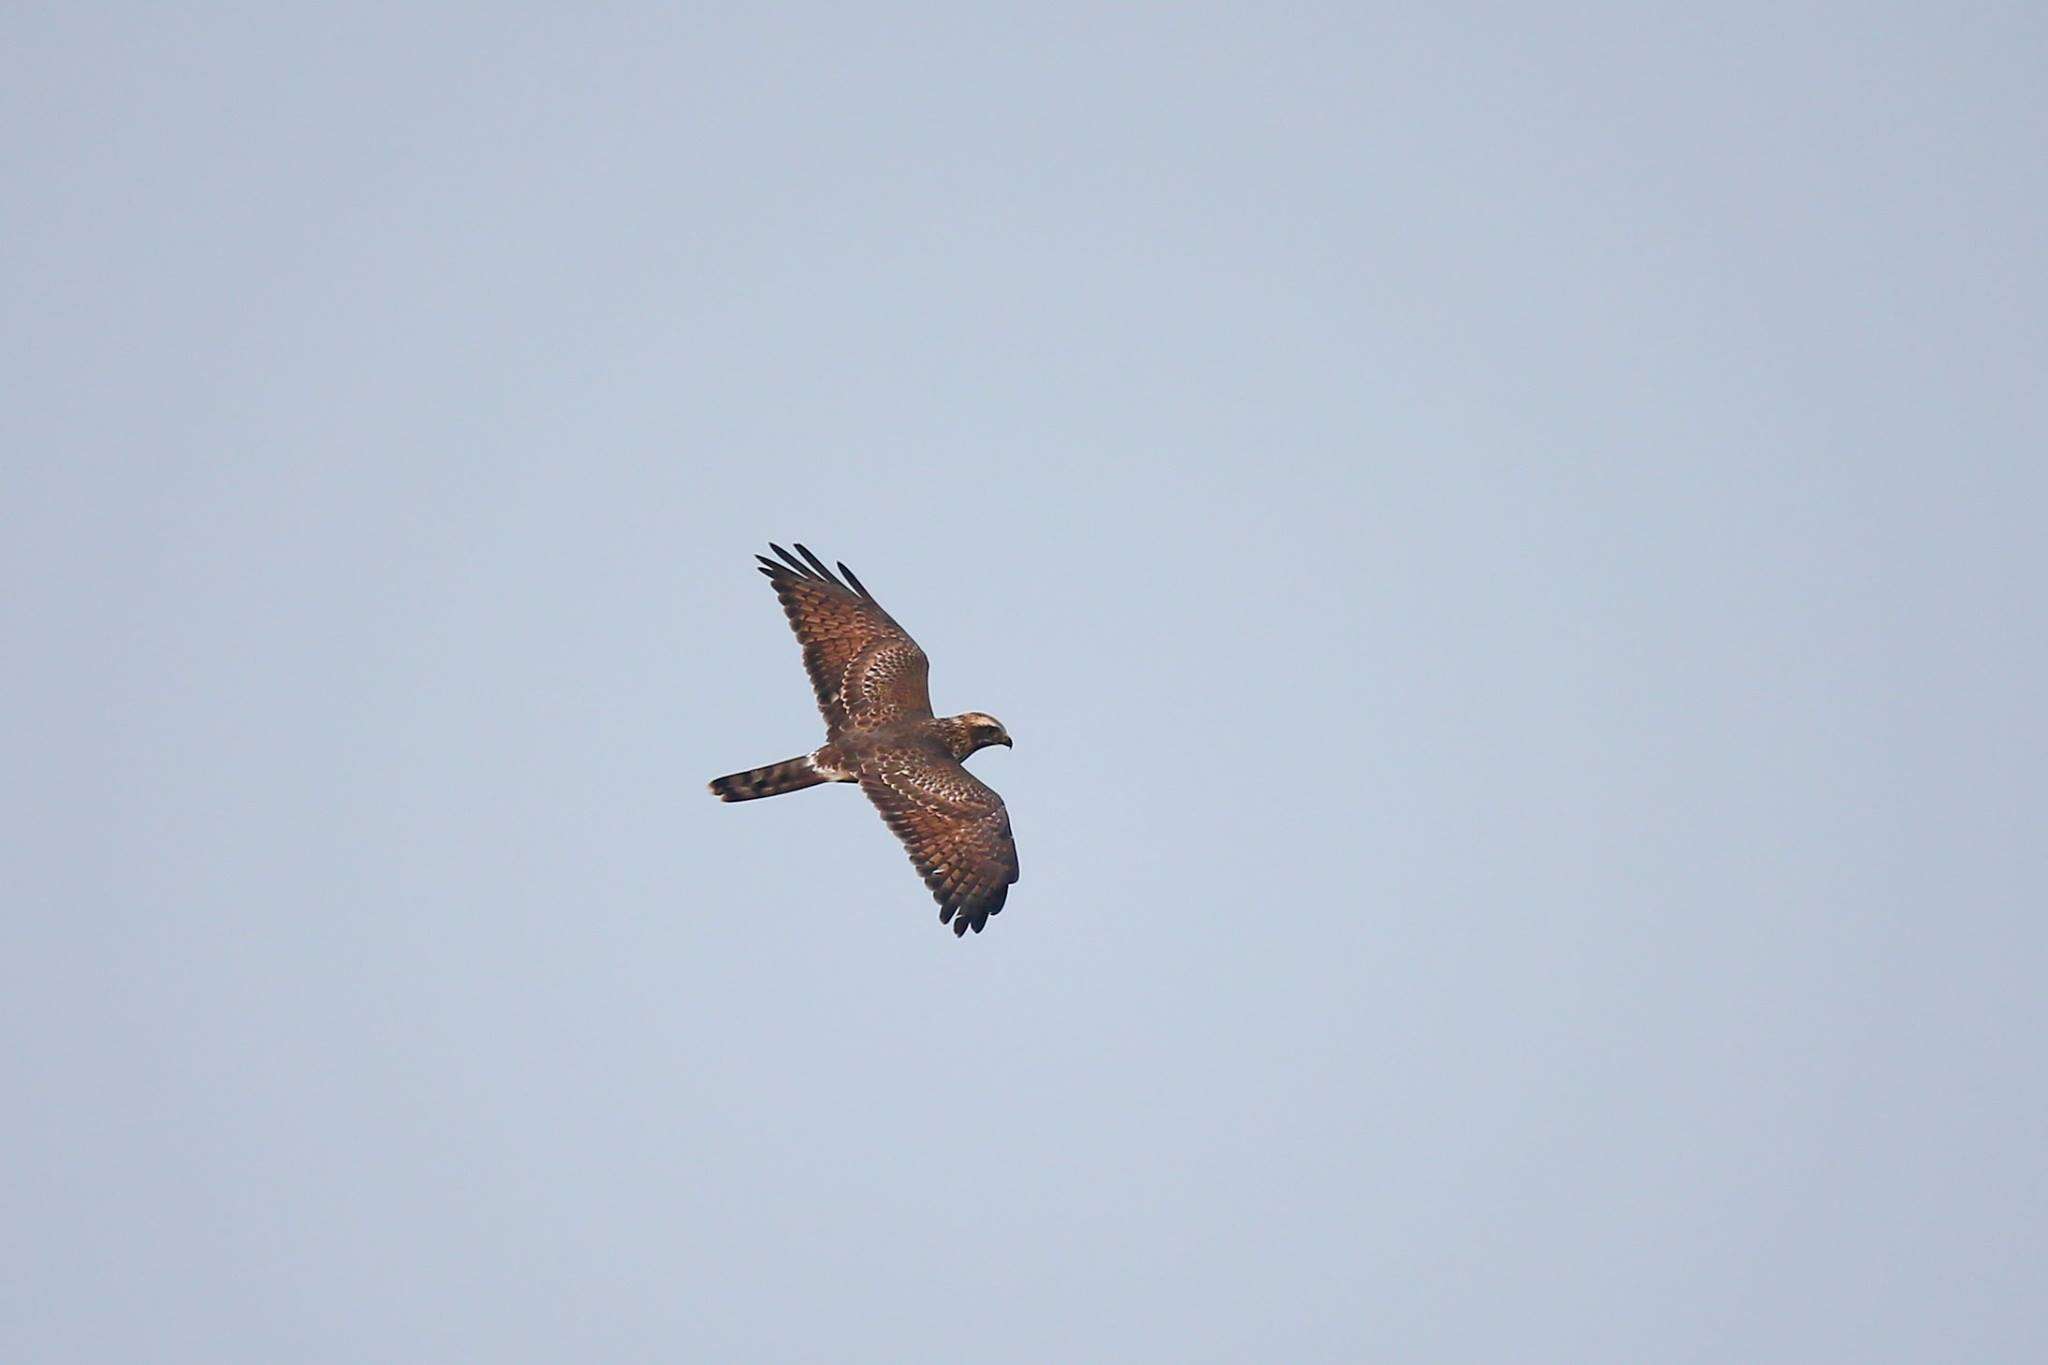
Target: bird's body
871,682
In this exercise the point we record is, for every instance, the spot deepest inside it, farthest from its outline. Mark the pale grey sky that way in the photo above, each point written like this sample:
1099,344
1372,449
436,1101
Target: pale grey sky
1509,543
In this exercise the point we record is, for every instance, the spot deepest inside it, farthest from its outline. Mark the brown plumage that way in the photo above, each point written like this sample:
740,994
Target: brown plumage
871,680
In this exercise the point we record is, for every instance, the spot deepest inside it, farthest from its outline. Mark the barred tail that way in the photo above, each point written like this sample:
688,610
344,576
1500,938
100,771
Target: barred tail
790,775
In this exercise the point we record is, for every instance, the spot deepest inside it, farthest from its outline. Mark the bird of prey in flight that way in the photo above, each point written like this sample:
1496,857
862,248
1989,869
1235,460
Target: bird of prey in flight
871,681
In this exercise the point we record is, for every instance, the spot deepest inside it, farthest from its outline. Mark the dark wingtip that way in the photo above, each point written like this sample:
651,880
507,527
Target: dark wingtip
815,562
809,566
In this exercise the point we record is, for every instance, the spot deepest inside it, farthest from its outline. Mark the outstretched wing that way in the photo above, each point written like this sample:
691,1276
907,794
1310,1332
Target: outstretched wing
954,826
865,668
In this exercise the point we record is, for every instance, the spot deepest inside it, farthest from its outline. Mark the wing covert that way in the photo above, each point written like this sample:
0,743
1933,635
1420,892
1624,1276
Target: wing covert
864,668
954,827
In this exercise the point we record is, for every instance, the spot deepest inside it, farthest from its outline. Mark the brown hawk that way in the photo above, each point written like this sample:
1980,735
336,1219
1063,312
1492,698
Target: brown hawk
870,678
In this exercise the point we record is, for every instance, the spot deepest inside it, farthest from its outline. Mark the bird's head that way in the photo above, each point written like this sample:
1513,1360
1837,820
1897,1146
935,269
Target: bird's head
974,730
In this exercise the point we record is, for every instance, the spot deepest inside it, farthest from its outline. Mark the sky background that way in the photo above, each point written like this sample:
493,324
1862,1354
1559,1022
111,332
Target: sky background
1509,543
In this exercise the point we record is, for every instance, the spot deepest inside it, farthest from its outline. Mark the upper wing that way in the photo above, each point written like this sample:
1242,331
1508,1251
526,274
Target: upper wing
954,826
864,667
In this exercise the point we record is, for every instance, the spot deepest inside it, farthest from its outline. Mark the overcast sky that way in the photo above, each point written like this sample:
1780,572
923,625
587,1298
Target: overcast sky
1509,542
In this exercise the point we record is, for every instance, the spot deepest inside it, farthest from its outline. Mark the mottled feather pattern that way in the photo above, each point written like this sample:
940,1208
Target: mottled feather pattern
886,679
864,668
953,826
871,681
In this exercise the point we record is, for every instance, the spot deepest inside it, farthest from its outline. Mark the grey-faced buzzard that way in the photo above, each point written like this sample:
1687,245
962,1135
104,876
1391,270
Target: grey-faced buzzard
870,677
